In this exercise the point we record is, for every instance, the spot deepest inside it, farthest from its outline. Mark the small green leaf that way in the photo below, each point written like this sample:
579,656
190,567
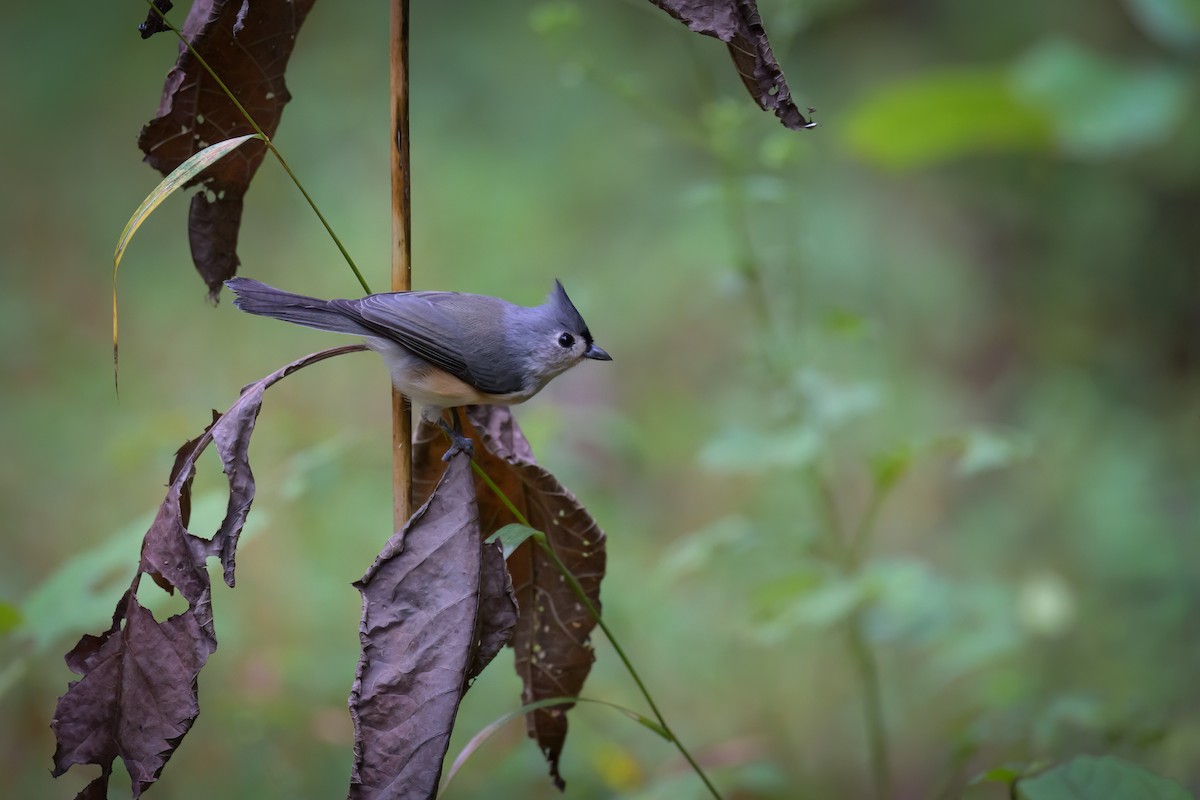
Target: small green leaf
889,467
774,595
745,450
10,617
816,599
943,115
983,450
512,536
693,552
181,175
1100,107
1175,23
1006,774
556,18
1099,778
846,324
829,402
781,149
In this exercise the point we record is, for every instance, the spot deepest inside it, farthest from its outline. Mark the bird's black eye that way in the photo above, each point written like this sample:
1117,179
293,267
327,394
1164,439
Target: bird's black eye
566,340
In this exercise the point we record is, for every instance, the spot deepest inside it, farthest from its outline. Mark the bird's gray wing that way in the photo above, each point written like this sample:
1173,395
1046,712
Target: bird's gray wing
433,326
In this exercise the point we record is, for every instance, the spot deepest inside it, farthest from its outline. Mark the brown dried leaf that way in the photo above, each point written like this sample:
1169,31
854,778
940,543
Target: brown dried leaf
497,608
231,434
136,697
175,558
419,625
551,645
738,24
248,45
184,459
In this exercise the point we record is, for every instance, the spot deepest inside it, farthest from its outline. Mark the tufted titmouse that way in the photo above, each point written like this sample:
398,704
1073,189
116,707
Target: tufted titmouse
446,349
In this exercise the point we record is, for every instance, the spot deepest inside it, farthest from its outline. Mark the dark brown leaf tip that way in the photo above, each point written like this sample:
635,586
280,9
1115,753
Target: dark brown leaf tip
738,24
154,19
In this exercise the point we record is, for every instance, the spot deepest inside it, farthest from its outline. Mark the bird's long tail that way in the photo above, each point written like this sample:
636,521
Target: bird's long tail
255,297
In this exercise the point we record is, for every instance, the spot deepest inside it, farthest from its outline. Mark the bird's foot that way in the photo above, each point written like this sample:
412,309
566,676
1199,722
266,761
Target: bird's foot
459,444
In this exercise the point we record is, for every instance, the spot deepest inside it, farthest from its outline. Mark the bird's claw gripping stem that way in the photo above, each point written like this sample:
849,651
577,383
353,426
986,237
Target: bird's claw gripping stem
458,442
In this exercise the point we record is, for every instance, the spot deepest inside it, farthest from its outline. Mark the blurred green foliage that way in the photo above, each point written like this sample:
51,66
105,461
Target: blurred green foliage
920,384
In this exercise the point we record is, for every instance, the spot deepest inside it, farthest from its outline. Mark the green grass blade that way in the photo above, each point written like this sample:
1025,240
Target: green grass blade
181,175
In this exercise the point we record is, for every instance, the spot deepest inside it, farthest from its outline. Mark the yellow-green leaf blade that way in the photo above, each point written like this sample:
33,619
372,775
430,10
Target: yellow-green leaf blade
185,172
181,175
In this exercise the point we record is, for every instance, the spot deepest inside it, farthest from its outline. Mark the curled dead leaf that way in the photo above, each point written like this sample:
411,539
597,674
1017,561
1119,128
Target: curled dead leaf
738,24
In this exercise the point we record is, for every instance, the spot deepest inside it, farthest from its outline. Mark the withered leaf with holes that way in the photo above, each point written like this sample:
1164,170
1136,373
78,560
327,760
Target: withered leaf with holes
552,647
137,692
738,24
248,45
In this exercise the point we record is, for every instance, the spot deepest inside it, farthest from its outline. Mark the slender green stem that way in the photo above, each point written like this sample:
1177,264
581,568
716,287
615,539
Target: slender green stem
594,613
868,675
847,550
848,554
831,529
860,543
496,490
745,256
270,146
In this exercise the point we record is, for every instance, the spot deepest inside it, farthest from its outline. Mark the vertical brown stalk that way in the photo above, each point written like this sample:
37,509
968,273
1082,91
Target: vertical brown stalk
401,252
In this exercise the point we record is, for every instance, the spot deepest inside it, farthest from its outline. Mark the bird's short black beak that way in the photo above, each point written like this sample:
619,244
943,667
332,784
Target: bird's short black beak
596,354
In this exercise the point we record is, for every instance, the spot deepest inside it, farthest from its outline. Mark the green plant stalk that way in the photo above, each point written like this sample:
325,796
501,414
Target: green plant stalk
868,676
858,546
848,557
847,551
270,146
864,657
594,613
748,264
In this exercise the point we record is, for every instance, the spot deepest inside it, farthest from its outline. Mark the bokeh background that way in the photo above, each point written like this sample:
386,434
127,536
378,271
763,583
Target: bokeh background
958,324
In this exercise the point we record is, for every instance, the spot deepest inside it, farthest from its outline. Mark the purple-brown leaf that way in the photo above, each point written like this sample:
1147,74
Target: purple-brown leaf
497,608
248,45
551,644
175,558
738,24
137,694
231,434
419,630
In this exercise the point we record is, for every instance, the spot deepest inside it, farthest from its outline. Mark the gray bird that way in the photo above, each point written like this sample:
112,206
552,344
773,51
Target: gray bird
446,349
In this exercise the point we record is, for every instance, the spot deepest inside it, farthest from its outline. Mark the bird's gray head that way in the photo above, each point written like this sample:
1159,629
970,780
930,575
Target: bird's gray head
556,337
